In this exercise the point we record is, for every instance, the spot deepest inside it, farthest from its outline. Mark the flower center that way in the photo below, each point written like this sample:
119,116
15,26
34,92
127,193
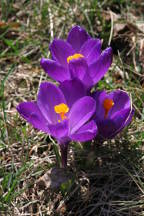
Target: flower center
61,109
75,56
107,104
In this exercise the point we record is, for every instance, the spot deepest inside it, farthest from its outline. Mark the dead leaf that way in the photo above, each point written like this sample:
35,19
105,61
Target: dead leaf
14,25
118,27
53,178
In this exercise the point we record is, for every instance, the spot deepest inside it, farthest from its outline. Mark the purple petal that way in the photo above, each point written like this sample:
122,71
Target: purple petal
54,70
120,98
120,120
31,112
79,69
60,50
77,37
121,101
126,123
100,67
49,95
91,49
86,132
108,128
99,97
72,90
81,112
59,130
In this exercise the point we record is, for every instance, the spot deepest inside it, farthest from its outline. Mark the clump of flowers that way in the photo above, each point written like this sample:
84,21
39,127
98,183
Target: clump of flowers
69,111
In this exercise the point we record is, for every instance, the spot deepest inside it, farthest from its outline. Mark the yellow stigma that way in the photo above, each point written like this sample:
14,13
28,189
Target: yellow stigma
75,56
107,104
61,109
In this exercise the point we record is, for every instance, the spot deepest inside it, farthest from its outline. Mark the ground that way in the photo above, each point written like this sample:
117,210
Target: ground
103,178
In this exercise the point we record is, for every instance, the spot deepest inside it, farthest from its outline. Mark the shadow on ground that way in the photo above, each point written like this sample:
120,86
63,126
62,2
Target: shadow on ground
108,181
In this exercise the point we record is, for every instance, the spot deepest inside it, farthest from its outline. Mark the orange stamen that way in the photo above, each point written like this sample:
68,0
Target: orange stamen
61,109
75,56
107,104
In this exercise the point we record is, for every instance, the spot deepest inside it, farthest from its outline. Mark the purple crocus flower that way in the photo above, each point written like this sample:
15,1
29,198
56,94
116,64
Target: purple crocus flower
63,112
113,112
80,56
